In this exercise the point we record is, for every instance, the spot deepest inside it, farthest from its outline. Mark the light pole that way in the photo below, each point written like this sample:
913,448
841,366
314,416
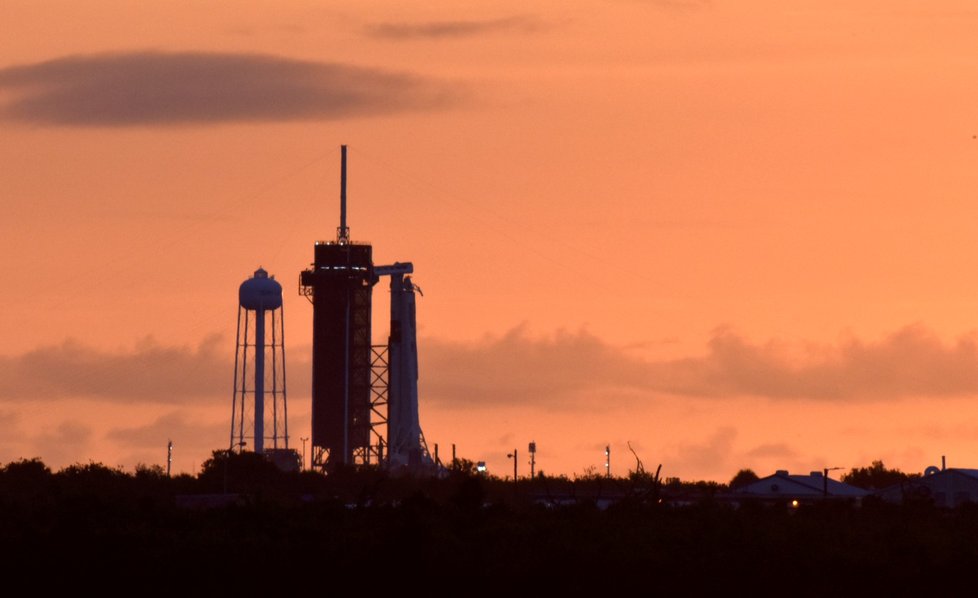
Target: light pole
303,453
607,461
516,463
825,480
533,459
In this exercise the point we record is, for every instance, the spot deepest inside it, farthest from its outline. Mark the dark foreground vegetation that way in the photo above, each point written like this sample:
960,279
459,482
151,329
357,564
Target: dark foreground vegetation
89,526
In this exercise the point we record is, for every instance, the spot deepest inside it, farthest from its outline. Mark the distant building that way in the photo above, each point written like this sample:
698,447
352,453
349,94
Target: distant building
948,488
783,486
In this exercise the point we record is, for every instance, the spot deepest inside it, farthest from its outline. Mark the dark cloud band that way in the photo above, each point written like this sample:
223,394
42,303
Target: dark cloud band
149,373
911,362
566,371
452,29
155,88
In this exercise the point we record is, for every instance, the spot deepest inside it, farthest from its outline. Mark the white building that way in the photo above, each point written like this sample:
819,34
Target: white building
947,487
783,486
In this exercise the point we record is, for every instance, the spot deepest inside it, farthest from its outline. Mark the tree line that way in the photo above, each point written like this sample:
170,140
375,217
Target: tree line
463,533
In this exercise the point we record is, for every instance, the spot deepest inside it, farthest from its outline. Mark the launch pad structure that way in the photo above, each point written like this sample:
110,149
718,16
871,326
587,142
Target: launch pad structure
364,396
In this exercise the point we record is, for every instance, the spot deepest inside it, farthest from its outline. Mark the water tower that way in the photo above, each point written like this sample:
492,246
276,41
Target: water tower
259,413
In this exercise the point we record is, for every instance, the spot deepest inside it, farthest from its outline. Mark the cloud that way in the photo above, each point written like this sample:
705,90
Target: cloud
777,450
12,438
157,88
290,29
566,369
679,4
446,29
172,426
148,372
517,370
714,452
194,439
911,362
69,443
8,421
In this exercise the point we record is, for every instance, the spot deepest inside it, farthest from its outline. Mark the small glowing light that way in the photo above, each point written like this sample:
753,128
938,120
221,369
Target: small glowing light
480,466
794,504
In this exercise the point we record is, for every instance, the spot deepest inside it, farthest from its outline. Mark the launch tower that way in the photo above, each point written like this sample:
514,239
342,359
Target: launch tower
352,380
340,286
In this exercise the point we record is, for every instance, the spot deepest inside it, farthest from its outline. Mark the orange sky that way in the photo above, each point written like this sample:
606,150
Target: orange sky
734,234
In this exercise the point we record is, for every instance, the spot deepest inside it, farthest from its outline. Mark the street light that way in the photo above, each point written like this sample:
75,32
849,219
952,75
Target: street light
825,480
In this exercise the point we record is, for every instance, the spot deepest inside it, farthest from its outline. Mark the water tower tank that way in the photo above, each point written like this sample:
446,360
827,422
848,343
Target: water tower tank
259,411
260,292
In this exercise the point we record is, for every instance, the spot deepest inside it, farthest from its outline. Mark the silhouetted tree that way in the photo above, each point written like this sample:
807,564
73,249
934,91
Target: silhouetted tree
243,473
24,478
465,466
743,477
875,477
150,471
93,479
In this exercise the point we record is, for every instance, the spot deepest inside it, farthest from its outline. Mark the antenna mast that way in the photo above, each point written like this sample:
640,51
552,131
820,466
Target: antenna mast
343,233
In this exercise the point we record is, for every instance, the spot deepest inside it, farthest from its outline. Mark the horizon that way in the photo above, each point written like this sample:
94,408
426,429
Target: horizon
728,235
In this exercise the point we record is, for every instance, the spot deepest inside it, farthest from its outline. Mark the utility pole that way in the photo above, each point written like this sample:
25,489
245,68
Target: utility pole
607,461
169,457
303,468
